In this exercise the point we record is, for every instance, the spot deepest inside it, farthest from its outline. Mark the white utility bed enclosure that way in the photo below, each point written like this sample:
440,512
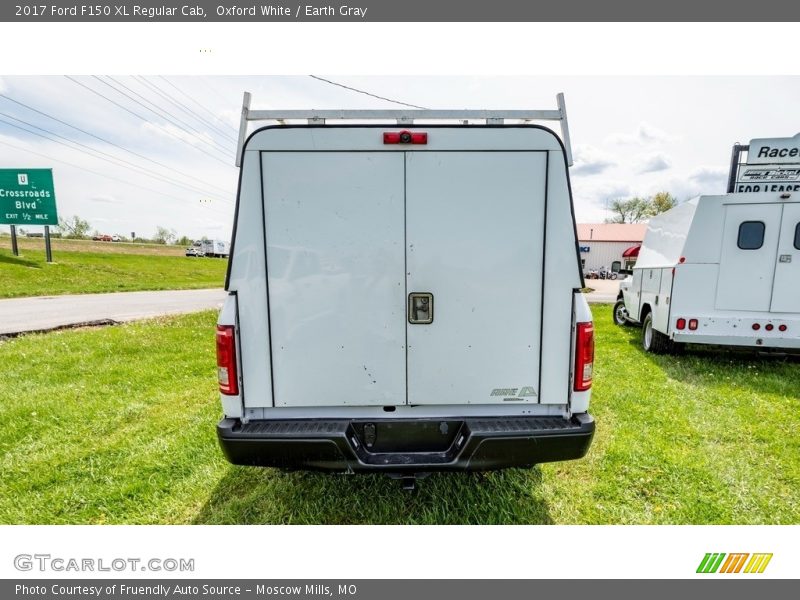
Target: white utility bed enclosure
402,270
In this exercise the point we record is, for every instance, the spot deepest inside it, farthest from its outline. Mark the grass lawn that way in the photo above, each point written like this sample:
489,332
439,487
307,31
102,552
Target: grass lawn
83,272
116,425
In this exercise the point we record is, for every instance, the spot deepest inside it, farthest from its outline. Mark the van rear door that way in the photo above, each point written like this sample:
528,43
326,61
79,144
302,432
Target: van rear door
747,257
475,243
336,275
786,292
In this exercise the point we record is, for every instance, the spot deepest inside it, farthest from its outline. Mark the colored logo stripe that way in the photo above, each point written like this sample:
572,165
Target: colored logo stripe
734,563
710,562
758,563
713,562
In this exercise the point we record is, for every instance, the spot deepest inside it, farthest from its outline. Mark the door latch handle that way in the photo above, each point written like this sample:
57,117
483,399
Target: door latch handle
420,308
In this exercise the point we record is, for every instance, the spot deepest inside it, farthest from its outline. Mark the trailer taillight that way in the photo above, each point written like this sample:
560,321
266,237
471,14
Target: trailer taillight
226,360
680,324
584,356
756,326
769,326
782,327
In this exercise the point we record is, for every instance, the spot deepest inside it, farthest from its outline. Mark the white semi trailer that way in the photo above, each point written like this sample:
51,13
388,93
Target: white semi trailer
404,298
724,270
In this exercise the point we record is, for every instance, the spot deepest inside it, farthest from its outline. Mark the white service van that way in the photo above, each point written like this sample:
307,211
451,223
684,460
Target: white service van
724,270
404,298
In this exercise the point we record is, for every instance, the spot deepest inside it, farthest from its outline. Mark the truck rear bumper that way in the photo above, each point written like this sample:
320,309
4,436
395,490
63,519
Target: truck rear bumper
765,341
405,445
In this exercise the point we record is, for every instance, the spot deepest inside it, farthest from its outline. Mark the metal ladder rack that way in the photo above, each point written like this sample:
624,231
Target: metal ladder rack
403,117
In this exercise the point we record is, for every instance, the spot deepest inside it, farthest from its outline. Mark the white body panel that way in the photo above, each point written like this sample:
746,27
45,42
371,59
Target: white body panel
335,262
705,275
346,226
475,241
745,275
786,292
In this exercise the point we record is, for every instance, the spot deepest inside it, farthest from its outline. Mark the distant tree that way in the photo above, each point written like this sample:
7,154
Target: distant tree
661,202
635,210
74,227
183,241
631,210
164,235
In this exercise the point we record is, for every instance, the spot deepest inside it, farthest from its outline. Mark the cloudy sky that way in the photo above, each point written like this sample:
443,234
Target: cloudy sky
131,153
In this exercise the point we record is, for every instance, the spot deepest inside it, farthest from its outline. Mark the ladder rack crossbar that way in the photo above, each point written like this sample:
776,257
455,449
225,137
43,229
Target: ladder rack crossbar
389,115
402,117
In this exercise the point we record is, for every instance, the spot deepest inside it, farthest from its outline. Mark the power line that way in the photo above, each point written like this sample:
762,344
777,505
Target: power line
352,89
161,116
120,162
145,119
4,143
202,106
213,143
185,108
134,153
180,105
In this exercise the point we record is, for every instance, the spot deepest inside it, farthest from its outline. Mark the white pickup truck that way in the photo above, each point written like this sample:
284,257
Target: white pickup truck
724,270
404,298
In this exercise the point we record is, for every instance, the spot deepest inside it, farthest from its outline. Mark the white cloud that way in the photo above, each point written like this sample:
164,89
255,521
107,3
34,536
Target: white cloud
170,132
654,163
592,198
709,175
105,200
646,134
701,181
590,161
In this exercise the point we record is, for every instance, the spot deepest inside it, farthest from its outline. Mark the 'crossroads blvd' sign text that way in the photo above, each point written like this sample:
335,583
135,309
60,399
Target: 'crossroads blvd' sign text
27,197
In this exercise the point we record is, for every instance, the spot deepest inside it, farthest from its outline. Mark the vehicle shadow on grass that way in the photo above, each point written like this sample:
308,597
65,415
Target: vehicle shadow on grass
20,262
247,495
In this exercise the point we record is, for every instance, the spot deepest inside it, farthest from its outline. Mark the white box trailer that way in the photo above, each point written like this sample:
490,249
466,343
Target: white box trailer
722,270
215,248
404,298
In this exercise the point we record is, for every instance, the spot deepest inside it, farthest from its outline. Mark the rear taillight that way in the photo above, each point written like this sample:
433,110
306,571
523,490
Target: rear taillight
680,324
405,137
584,356
693,323
226,360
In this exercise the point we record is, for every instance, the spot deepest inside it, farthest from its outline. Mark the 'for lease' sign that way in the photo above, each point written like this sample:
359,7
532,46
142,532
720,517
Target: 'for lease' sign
27,197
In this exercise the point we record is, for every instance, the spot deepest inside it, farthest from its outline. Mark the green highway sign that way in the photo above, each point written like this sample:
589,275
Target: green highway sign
27,197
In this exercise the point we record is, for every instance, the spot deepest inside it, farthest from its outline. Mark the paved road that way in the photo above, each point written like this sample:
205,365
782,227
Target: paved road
605,290
43,313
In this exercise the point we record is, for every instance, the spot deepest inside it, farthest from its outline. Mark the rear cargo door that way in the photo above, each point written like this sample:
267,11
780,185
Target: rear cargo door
748,255
336,276
474,252
786,292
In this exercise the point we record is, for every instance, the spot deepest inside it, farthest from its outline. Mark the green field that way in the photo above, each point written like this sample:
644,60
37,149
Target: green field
116,425
100,270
